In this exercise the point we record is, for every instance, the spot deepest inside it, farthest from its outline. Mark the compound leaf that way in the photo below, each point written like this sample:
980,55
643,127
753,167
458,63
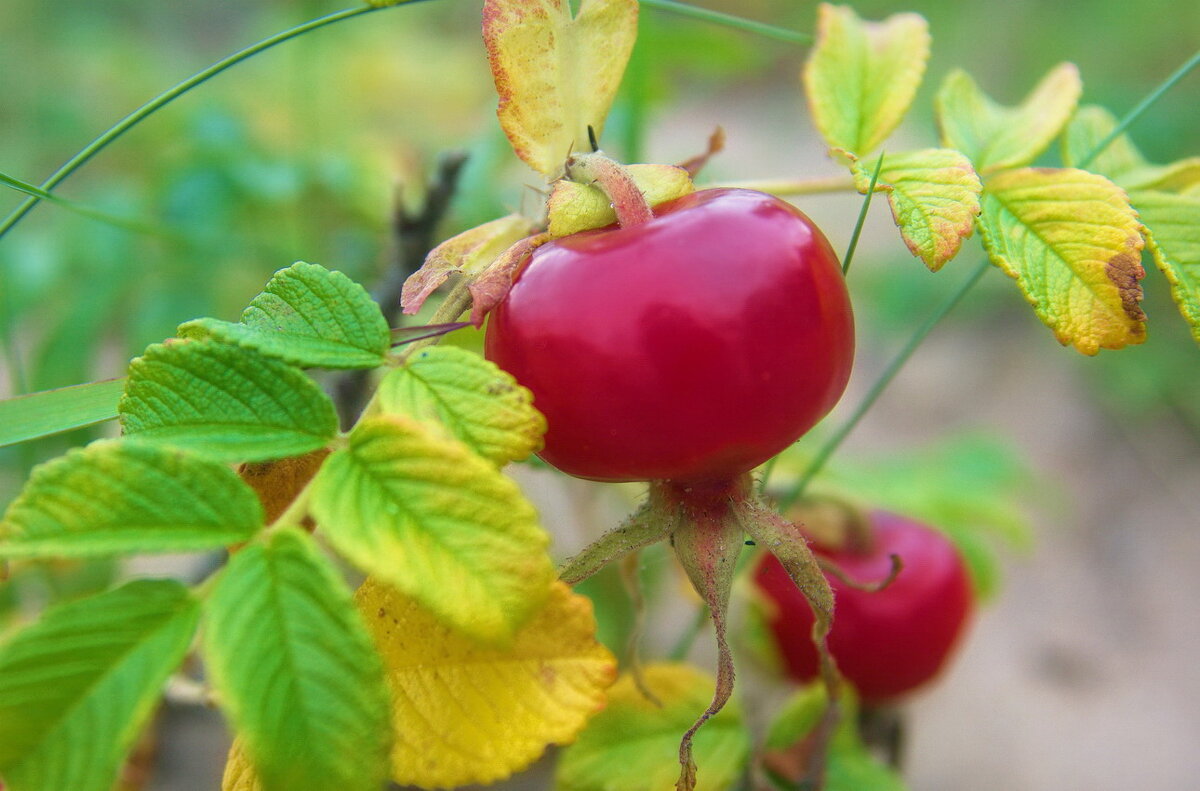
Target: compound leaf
996,137
480,405
307,316
1120,160
1073,244
436,521
77,685
633,745
934,195
226,402
295,669
861,77
121,496
1172,224
556,74
484,712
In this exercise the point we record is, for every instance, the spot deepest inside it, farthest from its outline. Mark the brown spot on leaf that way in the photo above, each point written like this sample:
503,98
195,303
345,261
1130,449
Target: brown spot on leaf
1125,270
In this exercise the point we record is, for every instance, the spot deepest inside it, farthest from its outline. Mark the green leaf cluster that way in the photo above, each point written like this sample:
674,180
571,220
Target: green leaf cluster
413,494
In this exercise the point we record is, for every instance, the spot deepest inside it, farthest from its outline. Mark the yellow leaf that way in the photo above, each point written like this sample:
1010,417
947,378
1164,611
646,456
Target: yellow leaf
934,194
556,75
239,772
466,713
575,207
1073,243
469,253
481,405
862,76
633,745
428,515
997,137
1173,232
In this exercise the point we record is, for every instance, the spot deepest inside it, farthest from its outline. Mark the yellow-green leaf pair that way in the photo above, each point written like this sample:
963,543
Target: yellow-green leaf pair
860,81
467,713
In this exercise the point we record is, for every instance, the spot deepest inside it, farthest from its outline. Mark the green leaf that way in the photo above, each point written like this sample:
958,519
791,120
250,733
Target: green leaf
77,685
229,403
124,496
1073,244
861,77
633,744
52,412
296,670
1120,160
1173,232
996,137
438,522
480,405
307,316
934,194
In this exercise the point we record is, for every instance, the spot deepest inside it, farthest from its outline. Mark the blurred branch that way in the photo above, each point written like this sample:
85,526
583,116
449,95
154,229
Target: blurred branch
416,235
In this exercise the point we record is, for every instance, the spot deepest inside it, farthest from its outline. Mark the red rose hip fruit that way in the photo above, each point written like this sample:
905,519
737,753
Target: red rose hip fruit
692,347
888,642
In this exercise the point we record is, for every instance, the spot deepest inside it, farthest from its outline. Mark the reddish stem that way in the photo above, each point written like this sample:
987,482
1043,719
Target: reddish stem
613,180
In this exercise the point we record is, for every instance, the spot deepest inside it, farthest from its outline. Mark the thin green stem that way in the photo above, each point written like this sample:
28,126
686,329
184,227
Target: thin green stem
729,20
889,373
1140,108
165,98
862,217
137,226
787,187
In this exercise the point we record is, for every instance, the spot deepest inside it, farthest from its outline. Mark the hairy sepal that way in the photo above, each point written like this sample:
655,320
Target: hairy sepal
707,544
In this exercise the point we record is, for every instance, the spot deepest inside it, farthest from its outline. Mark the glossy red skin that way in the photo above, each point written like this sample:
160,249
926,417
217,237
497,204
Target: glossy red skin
692,347
887,643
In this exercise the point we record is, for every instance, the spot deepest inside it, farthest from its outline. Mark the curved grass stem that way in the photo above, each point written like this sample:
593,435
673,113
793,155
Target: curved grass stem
170,95
729,20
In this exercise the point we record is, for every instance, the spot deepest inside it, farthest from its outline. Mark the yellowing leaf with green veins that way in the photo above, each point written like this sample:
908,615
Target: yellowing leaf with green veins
469,253
119,496
1173,226
633,745
934,194
481,405
467,713
861,77
427,515
997,137
1073,244
556,74
574,207
1120,160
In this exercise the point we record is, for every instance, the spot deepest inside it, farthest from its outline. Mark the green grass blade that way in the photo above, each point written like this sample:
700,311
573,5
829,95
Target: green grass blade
51,412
